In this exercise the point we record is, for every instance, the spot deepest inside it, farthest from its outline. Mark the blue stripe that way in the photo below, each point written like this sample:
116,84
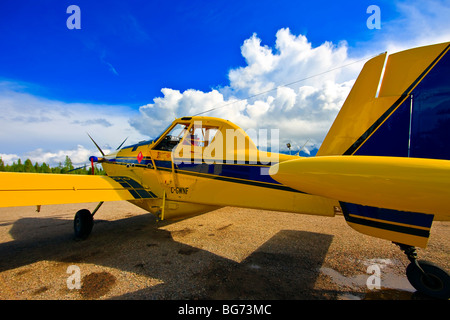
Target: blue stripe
237,171
252,172
409,218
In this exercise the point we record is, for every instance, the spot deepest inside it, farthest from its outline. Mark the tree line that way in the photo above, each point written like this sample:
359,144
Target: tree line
67,167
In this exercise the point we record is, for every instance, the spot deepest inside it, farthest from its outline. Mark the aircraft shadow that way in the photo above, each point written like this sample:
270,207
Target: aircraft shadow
284,267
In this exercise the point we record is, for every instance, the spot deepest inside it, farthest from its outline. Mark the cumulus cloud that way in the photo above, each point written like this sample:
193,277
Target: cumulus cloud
54,129
292,59
294,87
9,158
79,155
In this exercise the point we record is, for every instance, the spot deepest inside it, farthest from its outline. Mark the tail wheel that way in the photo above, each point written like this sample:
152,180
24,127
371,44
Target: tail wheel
83,224
429,279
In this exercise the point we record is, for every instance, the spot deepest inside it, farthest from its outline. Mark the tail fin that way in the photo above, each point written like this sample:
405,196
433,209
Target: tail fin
398,107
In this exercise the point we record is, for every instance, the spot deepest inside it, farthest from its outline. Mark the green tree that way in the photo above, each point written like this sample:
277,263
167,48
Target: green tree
2,165
45,168
18,167
57,169
68,165
28,166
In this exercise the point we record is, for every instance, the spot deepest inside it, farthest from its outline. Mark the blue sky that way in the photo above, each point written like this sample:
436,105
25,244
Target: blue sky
125,52
110,75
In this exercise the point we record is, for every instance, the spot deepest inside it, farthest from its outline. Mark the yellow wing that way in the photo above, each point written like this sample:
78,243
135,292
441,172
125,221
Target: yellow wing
26,189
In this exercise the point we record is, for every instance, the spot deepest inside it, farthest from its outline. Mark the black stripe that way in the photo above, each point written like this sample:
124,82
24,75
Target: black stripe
136,190
134,194
143,193
396,104
388,226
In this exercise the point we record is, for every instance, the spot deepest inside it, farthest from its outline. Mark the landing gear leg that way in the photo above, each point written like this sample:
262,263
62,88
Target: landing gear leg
425,276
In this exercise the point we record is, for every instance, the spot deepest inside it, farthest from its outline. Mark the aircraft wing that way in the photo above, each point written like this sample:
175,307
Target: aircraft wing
27,189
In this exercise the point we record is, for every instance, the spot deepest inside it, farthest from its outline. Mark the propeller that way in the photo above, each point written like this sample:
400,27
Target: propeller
101,151
94,158
122,143
82,167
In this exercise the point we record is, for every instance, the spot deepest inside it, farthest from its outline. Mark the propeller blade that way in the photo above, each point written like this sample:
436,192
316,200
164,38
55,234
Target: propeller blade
101,151
77,168
122,143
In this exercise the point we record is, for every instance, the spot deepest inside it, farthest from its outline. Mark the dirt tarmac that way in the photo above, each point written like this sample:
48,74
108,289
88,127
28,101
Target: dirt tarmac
229,253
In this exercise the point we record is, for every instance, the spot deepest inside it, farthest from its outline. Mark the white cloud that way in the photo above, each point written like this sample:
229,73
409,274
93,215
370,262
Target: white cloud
154,117
54,129
301,110
293,59
9,158
79,156
294,86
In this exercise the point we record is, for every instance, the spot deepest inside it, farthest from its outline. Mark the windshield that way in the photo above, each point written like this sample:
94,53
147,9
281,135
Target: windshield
162,132
172,138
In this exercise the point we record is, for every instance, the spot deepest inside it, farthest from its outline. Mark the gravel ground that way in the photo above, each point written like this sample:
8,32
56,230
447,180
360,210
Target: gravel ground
230,253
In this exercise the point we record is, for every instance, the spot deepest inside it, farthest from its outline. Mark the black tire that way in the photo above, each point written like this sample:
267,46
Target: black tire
83,223
435,284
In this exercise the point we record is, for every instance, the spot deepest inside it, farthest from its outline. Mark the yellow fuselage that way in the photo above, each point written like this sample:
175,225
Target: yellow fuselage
202,181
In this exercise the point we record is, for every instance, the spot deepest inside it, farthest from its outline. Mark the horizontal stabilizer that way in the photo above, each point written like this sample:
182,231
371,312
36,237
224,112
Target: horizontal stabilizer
406,184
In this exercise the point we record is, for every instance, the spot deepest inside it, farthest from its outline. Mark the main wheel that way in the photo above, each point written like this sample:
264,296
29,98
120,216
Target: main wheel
435,282
83,223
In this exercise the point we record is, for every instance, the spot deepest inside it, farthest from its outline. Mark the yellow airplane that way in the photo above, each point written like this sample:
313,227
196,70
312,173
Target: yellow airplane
384,164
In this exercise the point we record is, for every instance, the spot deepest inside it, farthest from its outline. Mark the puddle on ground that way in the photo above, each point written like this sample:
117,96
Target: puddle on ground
392,286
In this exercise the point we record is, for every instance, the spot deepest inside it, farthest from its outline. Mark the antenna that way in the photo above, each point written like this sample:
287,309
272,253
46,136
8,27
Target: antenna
302,147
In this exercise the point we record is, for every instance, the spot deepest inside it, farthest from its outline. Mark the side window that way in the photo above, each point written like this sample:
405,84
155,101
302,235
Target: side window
172,138
200,136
